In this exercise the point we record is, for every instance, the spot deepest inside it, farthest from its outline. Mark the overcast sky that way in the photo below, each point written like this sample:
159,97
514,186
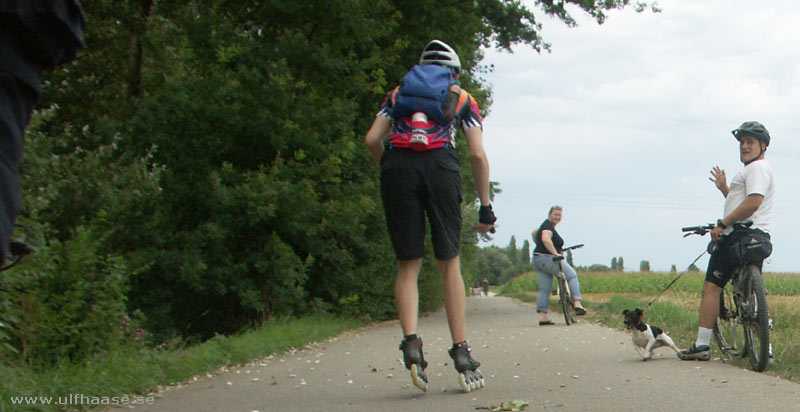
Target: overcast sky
621,123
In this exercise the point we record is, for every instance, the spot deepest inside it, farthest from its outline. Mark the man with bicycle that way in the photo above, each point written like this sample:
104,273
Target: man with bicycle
748,199
420,175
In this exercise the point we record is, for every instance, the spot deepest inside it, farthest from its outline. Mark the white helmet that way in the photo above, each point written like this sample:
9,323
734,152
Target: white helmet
438,52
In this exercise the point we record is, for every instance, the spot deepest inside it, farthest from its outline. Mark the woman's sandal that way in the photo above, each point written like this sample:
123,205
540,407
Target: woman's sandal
580,311
545,323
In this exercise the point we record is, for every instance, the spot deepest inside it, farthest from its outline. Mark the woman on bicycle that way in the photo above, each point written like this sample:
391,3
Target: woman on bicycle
548,245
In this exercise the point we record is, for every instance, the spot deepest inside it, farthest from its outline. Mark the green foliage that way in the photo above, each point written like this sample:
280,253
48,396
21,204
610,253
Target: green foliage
594,268
520,285
511,250
644,266
637,282
79,204
513,271
525,252
613,263
72,303
491,262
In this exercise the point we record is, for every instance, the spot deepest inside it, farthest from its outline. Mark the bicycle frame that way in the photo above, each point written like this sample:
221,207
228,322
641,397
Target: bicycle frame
564,294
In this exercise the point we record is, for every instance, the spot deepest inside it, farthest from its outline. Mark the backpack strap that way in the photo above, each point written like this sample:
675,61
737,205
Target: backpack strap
394,95
463,99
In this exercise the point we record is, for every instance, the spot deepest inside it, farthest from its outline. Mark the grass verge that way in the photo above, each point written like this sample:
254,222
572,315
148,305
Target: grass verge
134,369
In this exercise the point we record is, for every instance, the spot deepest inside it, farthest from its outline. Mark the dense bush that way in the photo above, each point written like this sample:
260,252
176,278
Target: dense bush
74,303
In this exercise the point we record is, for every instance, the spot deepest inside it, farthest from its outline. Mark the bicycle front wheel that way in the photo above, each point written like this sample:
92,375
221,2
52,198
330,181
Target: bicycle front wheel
755,318
728,330
566,300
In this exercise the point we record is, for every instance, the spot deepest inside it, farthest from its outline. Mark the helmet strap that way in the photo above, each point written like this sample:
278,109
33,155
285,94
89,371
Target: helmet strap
760,152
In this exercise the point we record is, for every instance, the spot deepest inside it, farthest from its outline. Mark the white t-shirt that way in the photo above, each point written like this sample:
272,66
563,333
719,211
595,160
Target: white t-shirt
755,178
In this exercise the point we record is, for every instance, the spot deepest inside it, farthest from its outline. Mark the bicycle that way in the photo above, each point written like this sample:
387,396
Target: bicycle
564,295
742,326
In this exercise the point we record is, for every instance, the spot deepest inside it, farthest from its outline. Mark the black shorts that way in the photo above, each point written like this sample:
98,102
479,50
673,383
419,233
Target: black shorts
723,262
414,184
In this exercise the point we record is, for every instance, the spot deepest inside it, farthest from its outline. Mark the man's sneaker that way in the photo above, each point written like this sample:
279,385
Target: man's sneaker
702,352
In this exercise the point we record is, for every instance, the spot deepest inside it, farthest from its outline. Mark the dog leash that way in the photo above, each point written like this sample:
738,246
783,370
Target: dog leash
676,279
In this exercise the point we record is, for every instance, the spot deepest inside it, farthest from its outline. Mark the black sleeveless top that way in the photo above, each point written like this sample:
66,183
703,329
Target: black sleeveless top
558,242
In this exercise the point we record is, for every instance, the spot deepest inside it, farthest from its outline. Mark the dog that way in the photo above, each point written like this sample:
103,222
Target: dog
646,336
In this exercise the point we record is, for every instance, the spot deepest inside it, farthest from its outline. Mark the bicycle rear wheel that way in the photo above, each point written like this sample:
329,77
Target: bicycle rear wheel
756,318
728,330
565,298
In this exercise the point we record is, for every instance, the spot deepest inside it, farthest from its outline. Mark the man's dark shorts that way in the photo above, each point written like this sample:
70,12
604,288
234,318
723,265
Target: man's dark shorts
414,184
723,262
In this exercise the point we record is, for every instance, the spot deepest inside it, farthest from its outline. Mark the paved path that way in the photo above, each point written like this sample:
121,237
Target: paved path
582,367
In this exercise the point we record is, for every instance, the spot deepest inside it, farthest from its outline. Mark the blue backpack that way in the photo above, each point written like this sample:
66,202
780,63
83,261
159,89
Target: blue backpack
423,89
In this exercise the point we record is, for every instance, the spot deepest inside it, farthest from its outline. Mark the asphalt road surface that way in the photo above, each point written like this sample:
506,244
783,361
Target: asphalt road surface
581,367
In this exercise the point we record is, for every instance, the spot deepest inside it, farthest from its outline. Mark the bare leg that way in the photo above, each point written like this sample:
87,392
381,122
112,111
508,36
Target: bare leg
407,295
454,297
709,305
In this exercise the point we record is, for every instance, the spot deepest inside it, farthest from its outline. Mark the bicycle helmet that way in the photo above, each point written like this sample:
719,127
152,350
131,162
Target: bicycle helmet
754,129
438,52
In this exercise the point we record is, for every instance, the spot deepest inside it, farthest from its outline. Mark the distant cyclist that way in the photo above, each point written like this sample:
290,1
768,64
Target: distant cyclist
34,35
749,198
412,140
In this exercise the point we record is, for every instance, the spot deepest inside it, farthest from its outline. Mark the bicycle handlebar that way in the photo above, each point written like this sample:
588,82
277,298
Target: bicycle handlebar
702,230
698,230
578,246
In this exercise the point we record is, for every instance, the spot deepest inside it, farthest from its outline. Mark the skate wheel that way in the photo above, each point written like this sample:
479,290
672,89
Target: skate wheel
462,381
418,378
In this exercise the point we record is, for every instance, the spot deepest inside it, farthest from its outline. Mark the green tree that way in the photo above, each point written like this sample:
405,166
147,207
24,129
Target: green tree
511,250
491,262
673,269
644,266
613,263
620,264
525,252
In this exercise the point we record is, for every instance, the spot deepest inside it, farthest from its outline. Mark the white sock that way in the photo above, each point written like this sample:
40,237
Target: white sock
703,336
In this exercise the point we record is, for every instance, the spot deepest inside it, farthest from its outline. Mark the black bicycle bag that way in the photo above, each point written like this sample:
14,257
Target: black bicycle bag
750,245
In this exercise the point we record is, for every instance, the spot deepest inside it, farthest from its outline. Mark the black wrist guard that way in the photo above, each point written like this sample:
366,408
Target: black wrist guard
486,215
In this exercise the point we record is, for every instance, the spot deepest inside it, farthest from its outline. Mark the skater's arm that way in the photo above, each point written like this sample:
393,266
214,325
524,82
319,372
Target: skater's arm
377,133
479,163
